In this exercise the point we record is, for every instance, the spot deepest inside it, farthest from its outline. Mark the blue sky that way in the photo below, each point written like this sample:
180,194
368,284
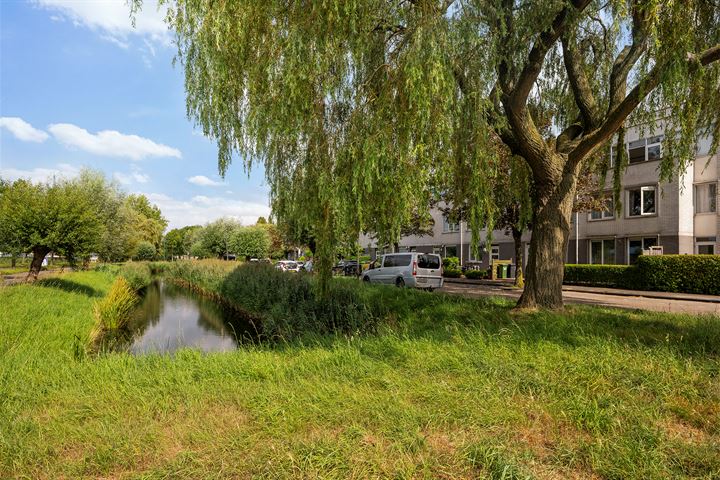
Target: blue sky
80,87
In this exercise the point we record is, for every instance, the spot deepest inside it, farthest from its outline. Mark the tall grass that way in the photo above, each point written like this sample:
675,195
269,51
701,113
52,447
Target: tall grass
137,274
285,305
444,387
112,314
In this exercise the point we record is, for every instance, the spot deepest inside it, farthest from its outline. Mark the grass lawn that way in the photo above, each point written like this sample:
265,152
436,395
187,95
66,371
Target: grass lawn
449,388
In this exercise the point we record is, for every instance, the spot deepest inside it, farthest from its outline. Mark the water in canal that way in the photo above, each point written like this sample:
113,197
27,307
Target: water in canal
171,317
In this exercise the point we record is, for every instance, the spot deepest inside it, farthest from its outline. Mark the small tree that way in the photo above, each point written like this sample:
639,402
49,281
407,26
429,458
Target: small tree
251,242
145,251
61,216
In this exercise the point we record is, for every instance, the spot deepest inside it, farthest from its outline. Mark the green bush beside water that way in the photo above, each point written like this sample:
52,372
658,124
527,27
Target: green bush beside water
137,274
285,305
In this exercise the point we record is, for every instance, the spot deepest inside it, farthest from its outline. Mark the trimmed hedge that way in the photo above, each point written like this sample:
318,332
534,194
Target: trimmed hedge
451,272
476,274
680,273
665,273
597,275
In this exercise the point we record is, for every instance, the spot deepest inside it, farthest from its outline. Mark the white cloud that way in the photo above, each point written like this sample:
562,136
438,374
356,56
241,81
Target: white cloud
136,176
39,174
201,209
204,181
111,143
111,18
23,130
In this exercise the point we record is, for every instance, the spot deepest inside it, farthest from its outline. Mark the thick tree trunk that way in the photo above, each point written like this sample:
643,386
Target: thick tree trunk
39,254
519,274
548,246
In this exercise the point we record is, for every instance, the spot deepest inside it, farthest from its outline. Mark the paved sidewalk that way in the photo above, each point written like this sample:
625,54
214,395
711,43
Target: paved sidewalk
607,297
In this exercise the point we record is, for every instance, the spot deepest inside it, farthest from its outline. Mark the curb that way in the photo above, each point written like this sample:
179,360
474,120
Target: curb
599,291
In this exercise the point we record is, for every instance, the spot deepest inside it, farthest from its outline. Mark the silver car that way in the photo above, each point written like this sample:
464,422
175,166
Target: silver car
412,269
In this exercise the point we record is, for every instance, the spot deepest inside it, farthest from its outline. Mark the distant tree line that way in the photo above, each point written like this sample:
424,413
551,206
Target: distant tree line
76,218
226,237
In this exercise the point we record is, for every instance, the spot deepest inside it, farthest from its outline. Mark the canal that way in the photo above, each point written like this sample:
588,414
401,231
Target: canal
171,317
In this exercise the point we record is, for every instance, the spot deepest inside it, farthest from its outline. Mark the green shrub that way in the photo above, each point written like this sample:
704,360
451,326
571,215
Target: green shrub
451,263
145,251
450,272
283,305
680,273
598,275
114,310
476,274
137,274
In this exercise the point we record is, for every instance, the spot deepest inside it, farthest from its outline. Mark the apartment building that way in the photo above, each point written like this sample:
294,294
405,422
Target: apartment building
677,217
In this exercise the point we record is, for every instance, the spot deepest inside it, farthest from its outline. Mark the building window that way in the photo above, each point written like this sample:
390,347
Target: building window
641,201
602,251
705,245
706,198
494,253
606,214
451,251
637,245
645,150
449,227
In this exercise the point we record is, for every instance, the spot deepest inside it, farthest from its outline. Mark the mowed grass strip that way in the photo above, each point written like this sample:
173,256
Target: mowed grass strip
448,388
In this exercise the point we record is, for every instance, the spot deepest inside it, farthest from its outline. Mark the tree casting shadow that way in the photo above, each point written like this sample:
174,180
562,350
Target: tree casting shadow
68,286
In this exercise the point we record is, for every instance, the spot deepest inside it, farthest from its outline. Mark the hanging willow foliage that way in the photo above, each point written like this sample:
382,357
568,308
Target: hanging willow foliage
361,110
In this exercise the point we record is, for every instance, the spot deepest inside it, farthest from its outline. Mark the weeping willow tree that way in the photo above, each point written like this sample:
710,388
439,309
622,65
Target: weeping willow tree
356,108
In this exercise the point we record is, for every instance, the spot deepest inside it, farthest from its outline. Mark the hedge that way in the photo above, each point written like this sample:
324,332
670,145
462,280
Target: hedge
476,274
665,273
680,273
597,275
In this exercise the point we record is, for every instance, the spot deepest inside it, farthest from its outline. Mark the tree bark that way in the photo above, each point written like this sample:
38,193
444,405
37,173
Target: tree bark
548,246
39,254
517,239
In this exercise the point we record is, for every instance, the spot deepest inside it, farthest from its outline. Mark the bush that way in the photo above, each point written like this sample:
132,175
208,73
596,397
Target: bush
137,274
665,273
451,263
283,305
450,272
145,251
680,273
114,310
476,274
598,275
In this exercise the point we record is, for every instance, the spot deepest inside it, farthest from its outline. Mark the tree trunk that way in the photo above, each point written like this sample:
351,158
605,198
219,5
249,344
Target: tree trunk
517,239
39,254
548,246
13,260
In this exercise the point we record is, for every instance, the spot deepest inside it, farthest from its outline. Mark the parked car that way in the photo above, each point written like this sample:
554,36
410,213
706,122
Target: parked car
413,269
287,266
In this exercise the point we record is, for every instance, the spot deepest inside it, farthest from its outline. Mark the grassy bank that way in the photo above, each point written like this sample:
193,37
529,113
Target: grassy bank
445,388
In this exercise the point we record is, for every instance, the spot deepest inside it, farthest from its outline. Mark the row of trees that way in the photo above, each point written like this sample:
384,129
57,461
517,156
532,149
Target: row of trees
225,237
76,218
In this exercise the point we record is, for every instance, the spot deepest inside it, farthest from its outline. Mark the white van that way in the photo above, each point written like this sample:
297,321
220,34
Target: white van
412,269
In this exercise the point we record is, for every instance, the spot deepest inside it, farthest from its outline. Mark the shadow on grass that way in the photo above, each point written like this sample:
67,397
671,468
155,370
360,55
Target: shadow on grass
68,286
439,318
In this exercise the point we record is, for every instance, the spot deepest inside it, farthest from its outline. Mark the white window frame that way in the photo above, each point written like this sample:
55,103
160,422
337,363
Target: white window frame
649,142
602,250
705,242
707,185
604,214
643,189
642,245
449,227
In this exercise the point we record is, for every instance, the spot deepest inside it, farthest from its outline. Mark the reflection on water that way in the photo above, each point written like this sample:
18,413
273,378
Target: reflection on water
171,317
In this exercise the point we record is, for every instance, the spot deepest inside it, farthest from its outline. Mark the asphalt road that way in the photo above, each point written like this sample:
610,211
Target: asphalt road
591,298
